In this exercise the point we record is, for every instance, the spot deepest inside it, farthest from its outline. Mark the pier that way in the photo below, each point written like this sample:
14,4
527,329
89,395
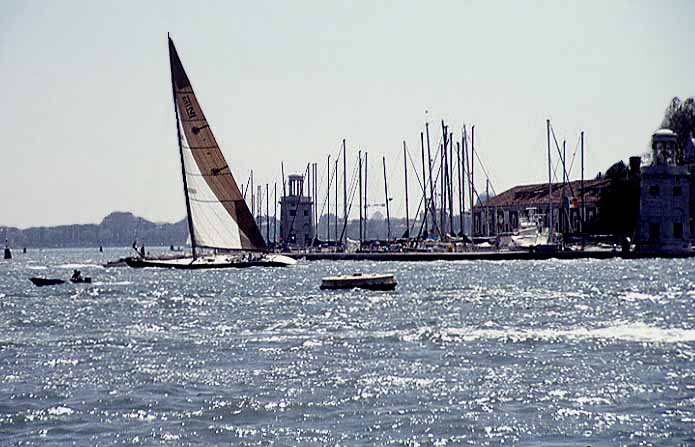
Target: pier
483,255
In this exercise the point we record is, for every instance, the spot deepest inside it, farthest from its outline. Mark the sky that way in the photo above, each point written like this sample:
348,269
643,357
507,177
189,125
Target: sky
88,124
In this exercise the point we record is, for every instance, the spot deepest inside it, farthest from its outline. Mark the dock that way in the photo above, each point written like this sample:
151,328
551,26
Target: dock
483,255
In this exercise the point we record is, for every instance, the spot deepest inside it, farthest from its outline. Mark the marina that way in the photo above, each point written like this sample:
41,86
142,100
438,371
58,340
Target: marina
392,224
487,255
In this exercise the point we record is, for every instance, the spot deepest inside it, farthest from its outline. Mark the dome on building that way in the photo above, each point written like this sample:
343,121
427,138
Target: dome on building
664,133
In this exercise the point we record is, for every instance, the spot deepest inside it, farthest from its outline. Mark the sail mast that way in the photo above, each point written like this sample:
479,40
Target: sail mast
178,138
405,174
424,183
388,215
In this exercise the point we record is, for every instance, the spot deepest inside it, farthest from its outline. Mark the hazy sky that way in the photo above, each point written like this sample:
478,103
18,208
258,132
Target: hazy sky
88,126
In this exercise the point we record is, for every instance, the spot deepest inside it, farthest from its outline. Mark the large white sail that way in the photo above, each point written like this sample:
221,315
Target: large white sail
218,214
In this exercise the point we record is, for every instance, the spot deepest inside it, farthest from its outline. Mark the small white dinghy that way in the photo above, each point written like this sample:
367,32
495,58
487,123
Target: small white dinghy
360,281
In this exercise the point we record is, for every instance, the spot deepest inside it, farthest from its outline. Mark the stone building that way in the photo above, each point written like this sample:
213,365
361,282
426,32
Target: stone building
501,213
296,219
665,198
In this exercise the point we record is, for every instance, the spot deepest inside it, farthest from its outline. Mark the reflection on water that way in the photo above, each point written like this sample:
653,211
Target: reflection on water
480,353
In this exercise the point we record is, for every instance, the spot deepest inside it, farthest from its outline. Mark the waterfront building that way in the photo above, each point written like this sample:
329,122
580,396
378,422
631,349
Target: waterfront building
501,213
688,159
296,217
665,218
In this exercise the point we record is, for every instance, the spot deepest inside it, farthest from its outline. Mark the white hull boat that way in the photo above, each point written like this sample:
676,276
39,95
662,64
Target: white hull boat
219,220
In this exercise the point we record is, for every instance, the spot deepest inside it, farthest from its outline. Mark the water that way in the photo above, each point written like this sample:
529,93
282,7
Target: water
569,353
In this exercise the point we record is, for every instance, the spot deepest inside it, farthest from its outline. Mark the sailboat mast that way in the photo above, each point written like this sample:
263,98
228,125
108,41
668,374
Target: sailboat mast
551,227
429,164
366,218
315,198
336,203
443,177
460,186
424,182
388,215
253,201
583,210
328,198
405,177
359,156
450,182
345,212
178,139
472,169
267,214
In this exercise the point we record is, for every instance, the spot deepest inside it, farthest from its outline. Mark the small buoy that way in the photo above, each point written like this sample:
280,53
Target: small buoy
24,250
101,249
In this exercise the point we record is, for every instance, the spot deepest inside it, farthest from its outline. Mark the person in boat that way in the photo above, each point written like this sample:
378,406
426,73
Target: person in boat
76,276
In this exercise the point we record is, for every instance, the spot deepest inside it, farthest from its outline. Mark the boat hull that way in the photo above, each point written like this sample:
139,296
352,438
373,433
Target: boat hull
359,281
213,262
41,282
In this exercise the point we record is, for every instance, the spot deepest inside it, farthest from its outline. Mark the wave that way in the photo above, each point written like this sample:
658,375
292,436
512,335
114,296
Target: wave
115,283
624,331
80,266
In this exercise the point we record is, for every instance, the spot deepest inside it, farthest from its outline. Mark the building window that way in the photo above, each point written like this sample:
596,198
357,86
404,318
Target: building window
654,190
306,212
677,191
293,212
653,232
678,230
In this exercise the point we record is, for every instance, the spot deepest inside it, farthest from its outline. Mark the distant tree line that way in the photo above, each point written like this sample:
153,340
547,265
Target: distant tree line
116,230
680,118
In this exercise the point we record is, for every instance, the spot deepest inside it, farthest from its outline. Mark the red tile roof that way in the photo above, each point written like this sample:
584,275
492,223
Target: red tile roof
537,195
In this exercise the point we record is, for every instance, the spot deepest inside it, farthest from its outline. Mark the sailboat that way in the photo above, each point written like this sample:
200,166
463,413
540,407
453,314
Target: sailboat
219,220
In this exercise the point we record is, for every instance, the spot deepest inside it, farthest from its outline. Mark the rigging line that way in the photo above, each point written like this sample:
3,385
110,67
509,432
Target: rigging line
328,189
574,154
396,167
330,174
423,186
353,187
475,190
487,176
482,166
415,221
431,201
564,171
415,169
245,190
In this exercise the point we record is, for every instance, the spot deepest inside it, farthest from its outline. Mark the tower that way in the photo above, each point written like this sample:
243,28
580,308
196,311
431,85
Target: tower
296,219
664,199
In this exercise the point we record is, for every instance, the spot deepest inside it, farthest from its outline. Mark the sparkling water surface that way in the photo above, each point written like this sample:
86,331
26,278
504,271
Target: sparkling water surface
562,353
